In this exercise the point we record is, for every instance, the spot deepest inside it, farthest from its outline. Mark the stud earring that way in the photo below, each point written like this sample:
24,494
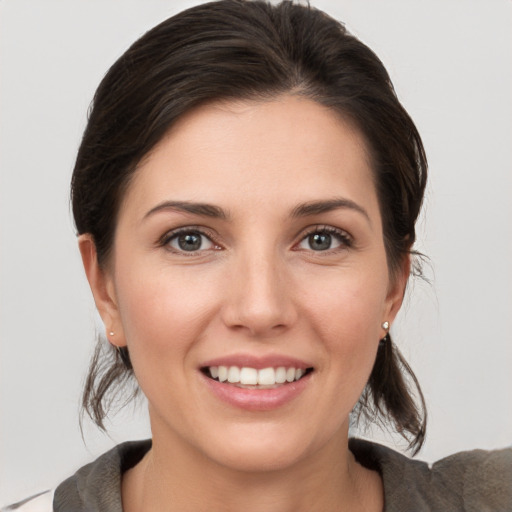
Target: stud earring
383,342
111,333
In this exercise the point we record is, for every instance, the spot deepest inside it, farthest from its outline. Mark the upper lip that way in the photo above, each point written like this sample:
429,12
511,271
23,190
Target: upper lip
258,362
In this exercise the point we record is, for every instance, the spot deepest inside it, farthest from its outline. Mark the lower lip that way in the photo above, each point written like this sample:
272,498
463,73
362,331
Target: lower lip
257,399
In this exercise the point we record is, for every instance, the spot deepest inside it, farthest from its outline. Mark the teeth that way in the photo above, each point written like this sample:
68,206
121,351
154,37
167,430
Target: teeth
248,376
253,377
223,373
267,377
234,374
281,375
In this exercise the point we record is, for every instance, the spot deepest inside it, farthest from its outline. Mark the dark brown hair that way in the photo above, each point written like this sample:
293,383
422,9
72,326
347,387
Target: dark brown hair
239,49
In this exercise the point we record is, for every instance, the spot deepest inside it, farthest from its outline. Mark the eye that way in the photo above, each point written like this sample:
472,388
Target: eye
188,241
325,239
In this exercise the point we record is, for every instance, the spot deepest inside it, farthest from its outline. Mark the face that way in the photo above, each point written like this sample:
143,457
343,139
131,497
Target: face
249,247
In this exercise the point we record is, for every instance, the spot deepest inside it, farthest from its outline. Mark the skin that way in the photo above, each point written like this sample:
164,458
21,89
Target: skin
257,286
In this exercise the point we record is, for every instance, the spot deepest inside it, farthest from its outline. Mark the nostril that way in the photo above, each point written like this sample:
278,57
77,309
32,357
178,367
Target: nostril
259,303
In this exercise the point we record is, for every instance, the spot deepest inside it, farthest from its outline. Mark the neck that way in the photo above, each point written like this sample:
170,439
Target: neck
172,477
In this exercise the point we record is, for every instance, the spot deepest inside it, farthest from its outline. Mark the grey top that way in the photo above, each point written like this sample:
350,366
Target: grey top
473,481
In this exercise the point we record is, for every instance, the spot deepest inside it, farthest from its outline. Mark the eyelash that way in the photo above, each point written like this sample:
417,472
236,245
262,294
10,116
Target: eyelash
165,240
342,236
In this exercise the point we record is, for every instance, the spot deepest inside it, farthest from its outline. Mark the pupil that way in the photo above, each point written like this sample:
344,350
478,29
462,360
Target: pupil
189,242
320,241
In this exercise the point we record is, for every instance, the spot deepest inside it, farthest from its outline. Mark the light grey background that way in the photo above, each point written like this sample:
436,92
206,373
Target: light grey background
451,64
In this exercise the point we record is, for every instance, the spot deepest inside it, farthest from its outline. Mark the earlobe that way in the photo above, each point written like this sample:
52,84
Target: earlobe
102,288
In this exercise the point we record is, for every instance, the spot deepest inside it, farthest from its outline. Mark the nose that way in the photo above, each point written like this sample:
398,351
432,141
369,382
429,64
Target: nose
260,300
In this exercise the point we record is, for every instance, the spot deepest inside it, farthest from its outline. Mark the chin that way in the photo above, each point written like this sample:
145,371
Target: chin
261,449
258,459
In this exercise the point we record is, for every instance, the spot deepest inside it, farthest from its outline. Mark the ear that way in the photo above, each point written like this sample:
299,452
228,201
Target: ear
103,290
396,290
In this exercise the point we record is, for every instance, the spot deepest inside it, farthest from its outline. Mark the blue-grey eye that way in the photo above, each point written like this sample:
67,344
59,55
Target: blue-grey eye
324,240
319,241
190,241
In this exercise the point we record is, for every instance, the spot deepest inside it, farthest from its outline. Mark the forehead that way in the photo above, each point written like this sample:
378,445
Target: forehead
278,152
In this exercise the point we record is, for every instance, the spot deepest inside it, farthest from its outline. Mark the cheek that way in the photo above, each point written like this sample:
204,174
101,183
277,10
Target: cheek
346,314
164,307
348,305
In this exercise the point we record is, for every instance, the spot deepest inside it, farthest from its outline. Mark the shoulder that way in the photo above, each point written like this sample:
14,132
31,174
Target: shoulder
467,481
96,486
93,488
42,502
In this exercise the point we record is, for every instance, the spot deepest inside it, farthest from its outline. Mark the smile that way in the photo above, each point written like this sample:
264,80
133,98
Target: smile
263,378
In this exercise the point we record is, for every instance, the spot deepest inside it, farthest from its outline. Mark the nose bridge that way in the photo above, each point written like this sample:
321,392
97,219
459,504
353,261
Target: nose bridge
260,300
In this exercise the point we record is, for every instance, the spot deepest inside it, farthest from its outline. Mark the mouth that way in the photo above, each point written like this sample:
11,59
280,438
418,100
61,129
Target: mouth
252,378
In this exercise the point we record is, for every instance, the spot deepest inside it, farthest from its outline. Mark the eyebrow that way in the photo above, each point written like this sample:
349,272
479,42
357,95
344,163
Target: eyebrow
301,210
317,207
203,209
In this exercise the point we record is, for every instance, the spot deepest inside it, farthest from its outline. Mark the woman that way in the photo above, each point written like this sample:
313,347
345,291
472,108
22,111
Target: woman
245,196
